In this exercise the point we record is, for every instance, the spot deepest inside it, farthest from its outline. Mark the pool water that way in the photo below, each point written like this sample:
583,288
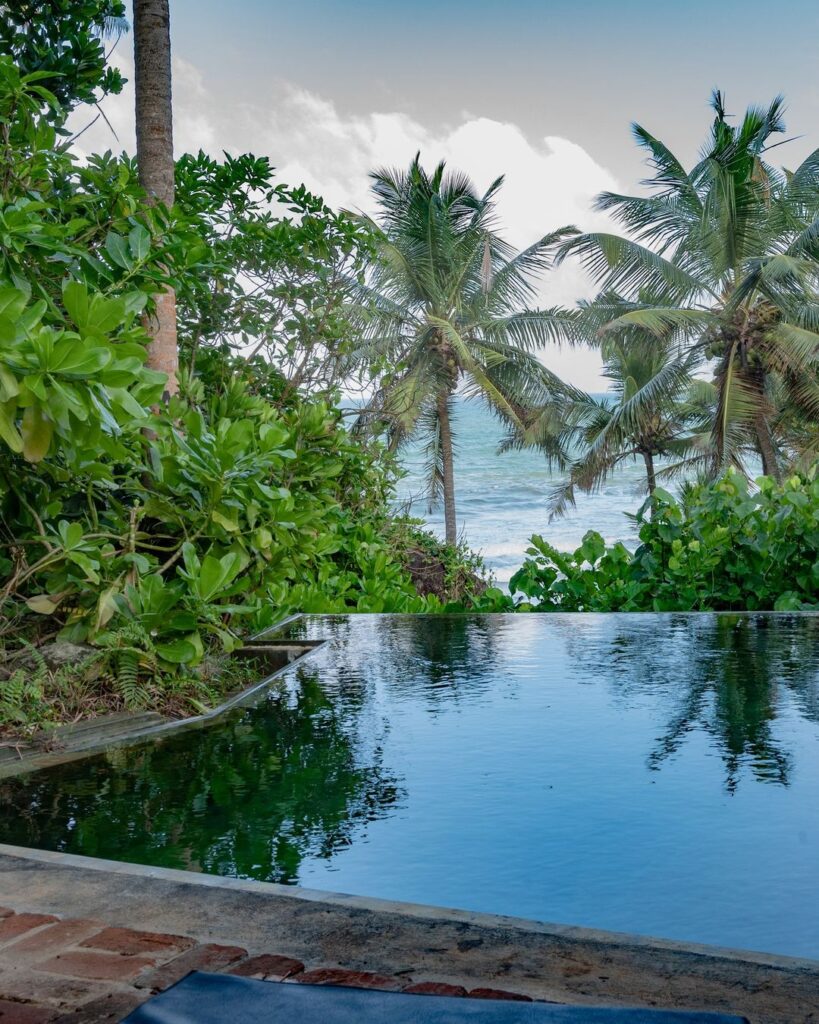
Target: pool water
647,773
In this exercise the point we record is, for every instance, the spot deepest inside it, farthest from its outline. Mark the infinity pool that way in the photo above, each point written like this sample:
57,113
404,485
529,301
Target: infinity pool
648,773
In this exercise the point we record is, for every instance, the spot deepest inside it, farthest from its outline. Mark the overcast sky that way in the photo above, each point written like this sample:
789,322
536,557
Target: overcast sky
542,91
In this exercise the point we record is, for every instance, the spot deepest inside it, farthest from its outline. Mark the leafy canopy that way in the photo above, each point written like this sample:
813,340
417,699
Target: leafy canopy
450,308
728,254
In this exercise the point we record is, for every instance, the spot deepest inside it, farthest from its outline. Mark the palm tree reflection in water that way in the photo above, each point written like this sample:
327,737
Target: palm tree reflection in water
730,672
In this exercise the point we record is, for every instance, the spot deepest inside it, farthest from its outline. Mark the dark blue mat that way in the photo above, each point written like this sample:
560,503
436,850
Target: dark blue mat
221,999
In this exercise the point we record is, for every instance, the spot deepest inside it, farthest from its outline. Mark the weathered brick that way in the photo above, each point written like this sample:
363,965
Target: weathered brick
25,1013
83,963
435,988
499,993
269,966
130,941
48,941
201,958
27,984
15,925
108,1009
350,979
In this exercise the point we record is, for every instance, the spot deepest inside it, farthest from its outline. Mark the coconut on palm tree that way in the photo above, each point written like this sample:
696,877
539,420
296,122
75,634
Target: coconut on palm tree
449,313
729,250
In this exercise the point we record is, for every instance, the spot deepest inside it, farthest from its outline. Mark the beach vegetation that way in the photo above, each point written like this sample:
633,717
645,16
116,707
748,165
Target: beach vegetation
721,546
451,310
723,259
657,410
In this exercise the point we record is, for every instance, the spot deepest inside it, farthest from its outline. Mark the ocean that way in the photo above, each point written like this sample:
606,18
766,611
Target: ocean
501,500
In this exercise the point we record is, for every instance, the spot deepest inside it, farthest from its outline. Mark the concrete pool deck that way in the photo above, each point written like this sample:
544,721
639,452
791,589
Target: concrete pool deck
398,944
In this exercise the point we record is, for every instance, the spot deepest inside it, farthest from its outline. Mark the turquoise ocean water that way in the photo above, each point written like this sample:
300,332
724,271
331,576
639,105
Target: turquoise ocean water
502,499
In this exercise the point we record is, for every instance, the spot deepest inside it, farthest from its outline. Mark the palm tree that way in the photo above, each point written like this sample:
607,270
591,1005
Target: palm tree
154,138
657,413
729,250
448,312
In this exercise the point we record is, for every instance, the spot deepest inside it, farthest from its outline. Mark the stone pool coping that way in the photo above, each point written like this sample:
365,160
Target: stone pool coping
108,732
411,941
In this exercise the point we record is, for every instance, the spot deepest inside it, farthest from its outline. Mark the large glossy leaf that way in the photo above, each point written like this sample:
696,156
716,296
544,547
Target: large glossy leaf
75,299
179,652
37,431
118,249
78,359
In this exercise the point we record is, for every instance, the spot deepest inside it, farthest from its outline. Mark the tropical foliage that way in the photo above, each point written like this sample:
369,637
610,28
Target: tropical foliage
277,274
722,259
724,547
158,537
155,530
449,310
655,409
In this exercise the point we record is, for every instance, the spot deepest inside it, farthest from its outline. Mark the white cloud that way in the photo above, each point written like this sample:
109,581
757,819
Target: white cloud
548,182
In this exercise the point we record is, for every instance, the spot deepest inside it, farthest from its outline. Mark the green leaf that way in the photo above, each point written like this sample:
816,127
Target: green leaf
179,652
71,534
104,315
8,427
139,241
119,251
226,522
12,302
191,560
37,431
75,300
217,573
79,359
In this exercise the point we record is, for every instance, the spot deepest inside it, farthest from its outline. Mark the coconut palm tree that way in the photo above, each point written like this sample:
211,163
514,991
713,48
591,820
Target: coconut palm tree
668,425
729,251
449,312
655,409
154,138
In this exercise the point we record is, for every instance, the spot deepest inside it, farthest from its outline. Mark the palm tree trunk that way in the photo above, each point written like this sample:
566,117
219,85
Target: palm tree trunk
651,476
154,138
770,462
451,528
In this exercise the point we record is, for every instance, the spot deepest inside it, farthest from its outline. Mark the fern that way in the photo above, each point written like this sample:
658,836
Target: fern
134,662
22,694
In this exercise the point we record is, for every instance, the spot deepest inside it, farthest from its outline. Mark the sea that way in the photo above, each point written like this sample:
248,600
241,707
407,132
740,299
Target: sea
501,500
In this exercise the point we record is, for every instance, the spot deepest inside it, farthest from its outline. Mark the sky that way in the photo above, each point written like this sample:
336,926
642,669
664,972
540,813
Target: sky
543,91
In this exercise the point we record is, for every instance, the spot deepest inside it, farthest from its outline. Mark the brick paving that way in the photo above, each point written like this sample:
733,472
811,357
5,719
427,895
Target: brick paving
79,971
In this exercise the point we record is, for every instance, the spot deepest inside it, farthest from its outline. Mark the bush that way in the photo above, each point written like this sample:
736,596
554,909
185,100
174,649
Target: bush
155,539
725,546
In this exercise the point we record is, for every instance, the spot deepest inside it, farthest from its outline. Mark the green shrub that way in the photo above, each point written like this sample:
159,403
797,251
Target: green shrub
159,538
726,546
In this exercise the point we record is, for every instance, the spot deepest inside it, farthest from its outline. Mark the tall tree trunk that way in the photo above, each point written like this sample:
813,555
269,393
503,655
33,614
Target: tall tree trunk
449,476
154,138
651,476
770,462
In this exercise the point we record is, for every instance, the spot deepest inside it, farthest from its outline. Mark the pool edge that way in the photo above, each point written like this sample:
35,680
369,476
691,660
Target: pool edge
415,911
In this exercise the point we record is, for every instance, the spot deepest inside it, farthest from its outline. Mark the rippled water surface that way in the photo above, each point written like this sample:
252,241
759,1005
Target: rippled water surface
656,774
